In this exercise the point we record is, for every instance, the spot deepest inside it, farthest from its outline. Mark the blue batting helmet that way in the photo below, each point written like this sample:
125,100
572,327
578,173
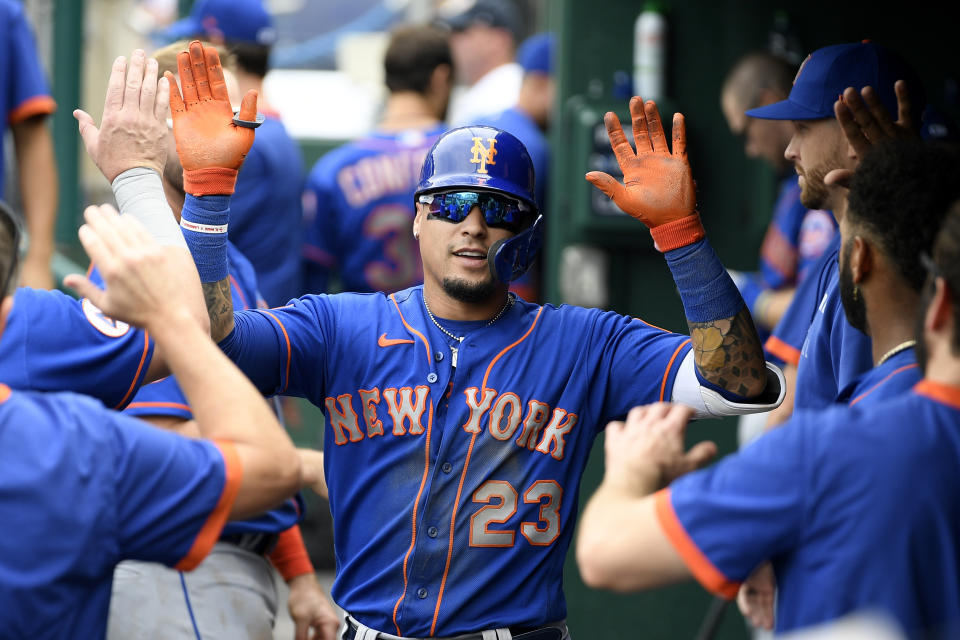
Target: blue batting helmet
481,158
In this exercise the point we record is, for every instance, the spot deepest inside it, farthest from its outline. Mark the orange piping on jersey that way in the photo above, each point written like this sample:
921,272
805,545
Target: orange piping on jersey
426,344
35,106
136,376
786,352
89,270
700,566
236,286
943,393
888,376
666,374
210,532
4,393
158,405
463,474
286,377
652,325
416,503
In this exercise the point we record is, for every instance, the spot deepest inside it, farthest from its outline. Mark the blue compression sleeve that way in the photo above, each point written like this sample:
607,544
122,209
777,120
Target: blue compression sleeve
252,346
203,222
707,292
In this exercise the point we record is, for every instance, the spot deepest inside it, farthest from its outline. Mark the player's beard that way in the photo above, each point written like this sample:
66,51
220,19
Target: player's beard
173,173
469,292
854,306
814,193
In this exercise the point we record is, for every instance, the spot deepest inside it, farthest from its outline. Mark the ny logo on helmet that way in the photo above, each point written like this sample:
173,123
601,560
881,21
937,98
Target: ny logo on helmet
483,155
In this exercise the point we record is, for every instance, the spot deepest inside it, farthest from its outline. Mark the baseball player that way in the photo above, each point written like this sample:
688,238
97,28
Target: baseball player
232,592
359,196
116,487
814,335
856,507
57,343
25,104
459,418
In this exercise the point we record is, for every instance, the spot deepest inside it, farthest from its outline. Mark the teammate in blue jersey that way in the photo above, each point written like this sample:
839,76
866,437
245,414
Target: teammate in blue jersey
58,343
360,196
795,236
856,507
232,593
25,104
121,488
814,335
452,465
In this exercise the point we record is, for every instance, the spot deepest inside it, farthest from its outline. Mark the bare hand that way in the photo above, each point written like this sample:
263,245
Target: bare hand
658,185
202,117
865,122
133,132
647,451
145,284
310,609
755,598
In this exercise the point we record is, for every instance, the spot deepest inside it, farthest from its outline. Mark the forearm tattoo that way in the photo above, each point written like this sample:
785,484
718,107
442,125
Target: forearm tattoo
219,307
727,353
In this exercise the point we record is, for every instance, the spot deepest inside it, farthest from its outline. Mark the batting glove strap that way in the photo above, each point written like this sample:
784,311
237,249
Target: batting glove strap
203,223
212,181
679,233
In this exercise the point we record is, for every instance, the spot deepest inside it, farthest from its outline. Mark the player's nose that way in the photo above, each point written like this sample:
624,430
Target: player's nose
474,224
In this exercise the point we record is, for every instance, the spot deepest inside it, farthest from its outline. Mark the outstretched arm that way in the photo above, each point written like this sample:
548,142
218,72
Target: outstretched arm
211,149
658,190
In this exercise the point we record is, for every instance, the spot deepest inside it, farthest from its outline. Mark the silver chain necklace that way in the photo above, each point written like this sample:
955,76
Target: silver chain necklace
453,359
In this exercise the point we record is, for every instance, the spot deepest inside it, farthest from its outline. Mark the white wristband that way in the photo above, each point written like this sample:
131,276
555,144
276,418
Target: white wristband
139,194
203,228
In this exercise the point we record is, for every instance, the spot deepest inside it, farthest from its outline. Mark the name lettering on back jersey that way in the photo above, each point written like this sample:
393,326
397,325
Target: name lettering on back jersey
374,177
483,155
401,411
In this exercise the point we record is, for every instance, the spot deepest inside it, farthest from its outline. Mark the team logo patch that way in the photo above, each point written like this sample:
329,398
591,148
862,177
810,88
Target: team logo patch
103,323
483,155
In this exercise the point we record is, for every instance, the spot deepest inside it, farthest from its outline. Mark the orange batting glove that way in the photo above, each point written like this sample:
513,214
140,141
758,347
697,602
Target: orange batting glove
658,185
210,146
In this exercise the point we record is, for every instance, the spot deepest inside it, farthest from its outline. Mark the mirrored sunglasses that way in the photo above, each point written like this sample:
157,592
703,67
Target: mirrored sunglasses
497,210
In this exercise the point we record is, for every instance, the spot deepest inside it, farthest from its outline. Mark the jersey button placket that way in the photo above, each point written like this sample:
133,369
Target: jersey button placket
422,593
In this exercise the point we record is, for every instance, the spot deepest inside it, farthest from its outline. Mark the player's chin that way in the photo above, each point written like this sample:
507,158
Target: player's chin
472,289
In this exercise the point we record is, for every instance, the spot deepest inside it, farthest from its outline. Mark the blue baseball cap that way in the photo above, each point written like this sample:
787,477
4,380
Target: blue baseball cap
826,72
535,55
225,20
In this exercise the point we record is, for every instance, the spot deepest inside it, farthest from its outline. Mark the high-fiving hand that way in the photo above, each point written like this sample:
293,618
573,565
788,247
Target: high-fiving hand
658,185
210,146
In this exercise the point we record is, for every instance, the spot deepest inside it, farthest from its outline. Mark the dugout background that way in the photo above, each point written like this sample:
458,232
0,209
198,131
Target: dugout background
735,194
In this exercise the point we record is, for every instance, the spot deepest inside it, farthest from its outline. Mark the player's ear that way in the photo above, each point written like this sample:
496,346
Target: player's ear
5,308
417,221
861,259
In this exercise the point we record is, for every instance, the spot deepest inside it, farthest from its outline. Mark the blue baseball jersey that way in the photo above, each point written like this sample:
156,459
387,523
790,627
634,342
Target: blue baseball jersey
23,89
795,239
447,482
84,488
165,397
359,213
53,342
894,376
266,211
857,508
815,335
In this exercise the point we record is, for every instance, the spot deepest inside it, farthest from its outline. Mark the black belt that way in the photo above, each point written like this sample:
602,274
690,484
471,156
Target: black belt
254,542
518,633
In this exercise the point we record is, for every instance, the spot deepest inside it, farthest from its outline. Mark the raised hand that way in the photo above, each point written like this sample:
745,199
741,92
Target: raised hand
647,451
210,146
133,132
866,122
658,185
145,283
